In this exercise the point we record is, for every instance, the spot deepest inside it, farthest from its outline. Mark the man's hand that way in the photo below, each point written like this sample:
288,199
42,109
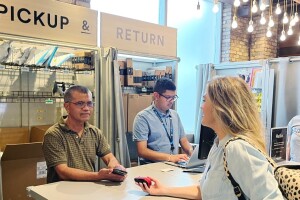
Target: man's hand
106,174
178,157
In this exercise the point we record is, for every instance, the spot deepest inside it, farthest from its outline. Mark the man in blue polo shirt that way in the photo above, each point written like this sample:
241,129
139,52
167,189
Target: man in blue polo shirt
157,130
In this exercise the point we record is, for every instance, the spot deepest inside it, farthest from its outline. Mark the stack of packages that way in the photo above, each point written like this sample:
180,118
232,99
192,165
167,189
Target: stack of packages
128,75
82,60
136,77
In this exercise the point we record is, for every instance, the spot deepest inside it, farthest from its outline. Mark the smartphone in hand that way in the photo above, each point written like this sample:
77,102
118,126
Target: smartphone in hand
119,172
146,180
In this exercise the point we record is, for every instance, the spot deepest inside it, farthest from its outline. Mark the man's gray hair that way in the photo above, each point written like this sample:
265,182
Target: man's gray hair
68,93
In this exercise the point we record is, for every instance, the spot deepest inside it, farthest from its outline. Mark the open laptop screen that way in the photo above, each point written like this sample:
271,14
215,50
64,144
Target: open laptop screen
207,136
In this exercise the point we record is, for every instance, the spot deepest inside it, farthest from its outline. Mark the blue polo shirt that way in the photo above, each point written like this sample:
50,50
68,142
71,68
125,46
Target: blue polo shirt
148,127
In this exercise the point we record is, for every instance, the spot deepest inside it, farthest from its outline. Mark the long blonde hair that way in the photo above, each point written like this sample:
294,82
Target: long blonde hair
235,107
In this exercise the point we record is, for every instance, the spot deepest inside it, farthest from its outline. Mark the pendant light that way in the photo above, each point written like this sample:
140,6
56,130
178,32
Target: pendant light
278,9
285,19
282,36
234,20
198,5
269,32
216,7
271,21
296,17
254,7
250,27
262,5
236,3
262,20
290,30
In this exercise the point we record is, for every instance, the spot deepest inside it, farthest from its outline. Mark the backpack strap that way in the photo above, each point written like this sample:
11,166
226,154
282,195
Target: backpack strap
236,187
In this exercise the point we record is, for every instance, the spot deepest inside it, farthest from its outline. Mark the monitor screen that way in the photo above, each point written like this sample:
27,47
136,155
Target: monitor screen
207,136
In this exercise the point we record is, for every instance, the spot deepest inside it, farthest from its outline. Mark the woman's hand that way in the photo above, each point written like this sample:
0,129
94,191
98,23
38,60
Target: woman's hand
156,188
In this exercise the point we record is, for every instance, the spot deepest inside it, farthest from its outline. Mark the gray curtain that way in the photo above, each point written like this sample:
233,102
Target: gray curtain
112,121
204,74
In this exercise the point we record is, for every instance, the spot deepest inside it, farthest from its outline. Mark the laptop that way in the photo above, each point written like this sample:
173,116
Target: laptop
193,162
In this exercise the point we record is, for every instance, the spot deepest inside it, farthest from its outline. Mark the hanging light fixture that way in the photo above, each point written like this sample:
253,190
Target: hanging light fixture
269,32
245,1
198,5
271,21
296,17
285,19
236,3
250,27
292,21
278,9
234,20
290,30
216,7
262,5
282,36
254,7
262,19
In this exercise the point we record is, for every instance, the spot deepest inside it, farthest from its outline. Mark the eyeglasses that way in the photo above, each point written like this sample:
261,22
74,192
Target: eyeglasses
82,104
169,98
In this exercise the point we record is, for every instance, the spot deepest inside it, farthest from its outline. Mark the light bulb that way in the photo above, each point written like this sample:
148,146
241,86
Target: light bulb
269,33
254,7
282,37
216,8
296,18
278,9
250,27
271,21
234,22
285,19
262,19
262,6
290,31
236,3
245,1
292,21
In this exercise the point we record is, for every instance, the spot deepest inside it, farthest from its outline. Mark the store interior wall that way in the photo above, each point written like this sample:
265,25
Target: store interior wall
198,40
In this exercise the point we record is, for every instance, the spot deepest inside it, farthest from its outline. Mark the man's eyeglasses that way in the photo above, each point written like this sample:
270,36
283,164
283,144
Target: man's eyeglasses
169,98
82,104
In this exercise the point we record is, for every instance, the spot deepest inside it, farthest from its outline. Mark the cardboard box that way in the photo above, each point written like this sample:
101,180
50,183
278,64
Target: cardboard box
129,63
169,73
153,75
22,165
136,103
37,133
137,77
122,69
125,106
82,60
13,136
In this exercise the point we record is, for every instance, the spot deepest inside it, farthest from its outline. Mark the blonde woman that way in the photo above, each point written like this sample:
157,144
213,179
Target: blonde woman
230,110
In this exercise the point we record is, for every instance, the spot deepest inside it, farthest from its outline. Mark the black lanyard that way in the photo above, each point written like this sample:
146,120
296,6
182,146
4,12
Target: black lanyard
170,136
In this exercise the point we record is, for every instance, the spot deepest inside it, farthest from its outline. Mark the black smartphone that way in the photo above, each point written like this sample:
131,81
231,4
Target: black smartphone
146,180
119,172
